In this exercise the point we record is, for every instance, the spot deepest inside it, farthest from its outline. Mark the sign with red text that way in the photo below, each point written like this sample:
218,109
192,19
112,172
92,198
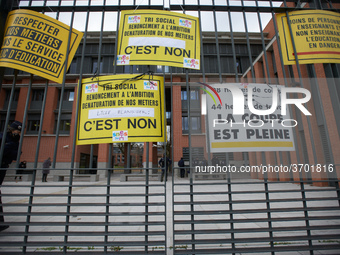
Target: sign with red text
316,36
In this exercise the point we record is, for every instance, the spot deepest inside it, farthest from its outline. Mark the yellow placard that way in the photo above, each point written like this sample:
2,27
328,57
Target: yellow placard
316,36
154,37
37,44
121,108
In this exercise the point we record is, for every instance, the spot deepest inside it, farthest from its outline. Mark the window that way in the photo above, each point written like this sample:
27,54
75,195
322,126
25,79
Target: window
238,65
71,96
65,123
3,120
195,124
95,66
194,95
65,126
85,161
184,95
8,95
231,155
68,98
73,67
194,99
37,95
185,124
15,99
133,69
68,95
195,152
160,69
33,124
37,99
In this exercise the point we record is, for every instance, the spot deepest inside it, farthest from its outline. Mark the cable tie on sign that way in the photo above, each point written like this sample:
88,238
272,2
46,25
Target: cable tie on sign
95,74
138,6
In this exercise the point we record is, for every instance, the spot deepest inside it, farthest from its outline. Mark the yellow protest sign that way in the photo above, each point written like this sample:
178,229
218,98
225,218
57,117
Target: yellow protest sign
121,108
316,35
36,43
154,37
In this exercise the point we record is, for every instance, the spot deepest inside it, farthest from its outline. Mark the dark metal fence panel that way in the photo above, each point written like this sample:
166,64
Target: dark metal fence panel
98,217
222,214
234,214
69,213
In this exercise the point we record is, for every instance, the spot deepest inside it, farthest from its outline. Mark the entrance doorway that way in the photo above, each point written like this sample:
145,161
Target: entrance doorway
85,164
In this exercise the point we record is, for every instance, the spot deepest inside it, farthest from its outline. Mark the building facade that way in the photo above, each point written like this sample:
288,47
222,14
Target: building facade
96,206
227,57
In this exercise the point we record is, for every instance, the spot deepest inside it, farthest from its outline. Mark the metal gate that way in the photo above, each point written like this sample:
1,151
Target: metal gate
111,199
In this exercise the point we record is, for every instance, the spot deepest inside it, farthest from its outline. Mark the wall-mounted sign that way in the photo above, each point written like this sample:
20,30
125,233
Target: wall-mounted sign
154,37
235,127
36,43
316,36
119,108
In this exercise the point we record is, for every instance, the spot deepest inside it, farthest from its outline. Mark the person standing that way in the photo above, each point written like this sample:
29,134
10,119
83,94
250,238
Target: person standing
215,161
182,169
46,169
164,163
22,165
12,138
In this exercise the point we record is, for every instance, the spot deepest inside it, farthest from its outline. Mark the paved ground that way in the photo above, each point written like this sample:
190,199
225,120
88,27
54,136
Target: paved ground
91,199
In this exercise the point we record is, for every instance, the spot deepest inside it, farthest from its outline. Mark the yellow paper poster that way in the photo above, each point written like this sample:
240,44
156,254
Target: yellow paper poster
121,108
316,36
154,37
36,43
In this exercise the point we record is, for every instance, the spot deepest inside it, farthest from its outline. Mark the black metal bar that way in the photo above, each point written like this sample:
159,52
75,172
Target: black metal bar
3,141
217,45
173,7
232,42
248,42
69,198
231,215
146,238
5,7
62,90
107,205
34,175
263,44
